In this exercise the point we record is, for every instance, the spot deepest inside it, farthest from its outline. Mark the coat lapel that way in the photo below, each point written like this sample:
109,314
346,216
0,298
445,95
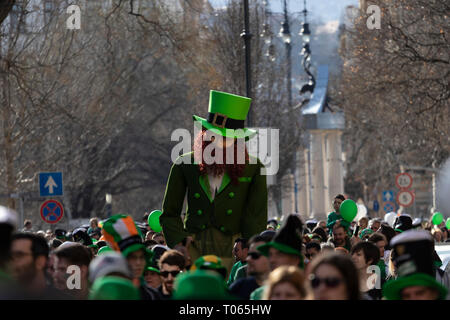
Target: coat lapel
204,183
225,181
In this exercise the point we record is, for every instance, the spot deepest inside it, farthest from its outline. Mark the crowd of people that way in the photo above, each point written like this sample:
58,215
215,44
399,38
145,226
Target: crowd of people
119,258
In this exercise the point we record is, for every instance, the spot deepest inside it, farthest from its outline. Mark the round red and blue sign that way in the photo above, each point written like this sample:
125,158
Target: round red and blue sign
51,211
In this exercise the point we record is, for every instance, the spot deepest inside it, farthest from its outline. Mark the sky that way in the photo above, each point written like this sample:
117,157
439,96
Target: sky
325,10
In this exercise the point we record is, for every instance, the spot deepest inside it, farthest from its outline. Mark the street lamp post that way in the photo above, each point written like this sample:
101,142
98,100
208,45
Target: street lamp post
306,52
285,34
246,35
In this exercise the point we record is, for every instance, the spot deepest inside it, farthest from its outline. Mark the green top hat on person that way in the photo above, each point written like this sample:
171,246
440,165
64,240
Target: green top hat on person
200,285
288,239
414,261
113,288
122,234
226,115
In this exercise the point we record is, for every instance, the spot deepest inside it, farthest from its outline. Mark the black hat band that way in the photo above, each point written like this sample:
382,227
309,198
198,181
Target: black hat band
125,243
222,121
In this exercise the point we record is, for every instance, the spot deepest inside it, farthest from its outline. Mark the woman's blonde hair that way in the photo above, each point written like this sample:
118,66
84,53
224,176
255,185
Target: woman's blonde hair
93,220
289,274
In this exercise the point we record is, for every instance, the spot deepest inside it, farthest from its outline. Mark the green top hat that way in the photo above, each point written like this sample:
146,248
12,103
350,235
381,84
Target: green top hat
226,115
121,232
413,251
200,285
288,239
113,288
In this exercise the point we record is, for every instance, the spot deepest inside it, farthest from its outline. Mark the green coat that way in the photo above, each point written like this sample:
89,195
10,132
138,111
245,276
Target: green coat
331,220
236,209
233,271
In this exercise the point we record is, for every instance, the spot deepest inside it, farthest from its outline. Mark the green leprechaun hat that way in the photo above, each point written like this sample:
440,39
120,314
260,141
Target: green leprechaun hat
113,288
414,261
210,262
200,285
226,115
288,239
122,234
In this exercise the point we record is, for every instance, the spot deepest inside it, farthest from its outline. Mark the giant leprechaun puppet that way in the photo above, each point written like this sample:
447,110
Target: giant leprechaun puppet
226,199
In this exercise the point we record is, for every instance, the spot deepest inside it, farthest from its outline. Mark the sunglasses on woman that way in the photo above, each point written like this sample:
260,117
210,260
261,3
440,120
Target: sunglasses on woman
330,282
165,274
254,255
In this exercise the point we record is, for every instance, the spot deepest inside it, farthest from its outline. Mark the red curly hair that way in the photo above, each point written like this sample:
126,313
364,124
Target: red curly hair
235,170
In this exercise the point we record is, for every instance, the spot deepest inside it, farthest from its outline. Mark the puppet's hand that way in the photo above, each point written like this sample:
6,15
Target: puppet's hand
185,250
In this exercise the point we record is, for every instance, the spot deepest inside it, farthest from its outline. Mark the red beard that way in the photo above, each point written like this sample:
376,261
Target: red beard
234,170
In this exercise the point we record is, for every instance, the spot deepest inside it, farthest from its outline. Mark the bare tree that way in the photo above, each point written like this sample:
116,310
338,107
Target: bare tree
395,91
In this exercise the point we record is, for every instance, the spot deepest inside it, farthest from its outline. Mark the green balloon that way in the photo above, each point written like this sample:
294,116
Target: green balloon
153,220
447,223
437,218
348,210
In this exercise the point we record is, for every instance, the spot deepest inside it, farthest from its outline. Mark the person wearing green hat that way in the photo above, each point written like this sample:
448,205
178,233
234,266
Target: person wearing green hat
285,249
152,275
210,262
200,285
365,234
414,262
113,288
226,198
122,234
103,250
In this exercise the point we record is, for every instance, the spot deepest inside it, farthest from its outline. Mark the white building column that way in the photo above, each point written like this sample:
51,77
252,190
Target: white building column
317,175
287,194
335,164
302,184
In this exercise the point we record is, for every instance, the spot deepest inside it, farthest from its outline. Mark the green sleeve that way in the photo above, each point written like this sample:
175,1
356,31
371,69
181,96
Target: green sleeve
172,205
257,294
254,220
241,272
233,273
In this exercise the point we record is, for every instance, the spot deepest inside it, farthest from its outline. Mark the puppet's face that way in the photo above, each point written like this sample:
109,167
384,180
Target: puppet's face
219,141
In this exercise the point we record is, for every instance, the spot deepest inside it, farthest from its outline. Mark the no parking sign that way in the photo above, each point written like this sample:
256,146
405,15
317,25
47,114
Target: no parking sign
51,211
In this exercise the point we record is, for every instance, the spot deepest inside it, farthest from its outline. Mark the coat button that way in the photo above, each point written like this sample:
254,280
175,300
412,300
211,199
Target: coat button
197,195
231,195
222,229
199,212
229,211
203,227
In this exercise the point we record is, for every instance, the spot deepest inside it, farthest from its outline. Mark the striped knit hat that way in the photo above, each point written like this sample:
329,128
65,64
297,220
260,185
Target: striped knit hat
123,235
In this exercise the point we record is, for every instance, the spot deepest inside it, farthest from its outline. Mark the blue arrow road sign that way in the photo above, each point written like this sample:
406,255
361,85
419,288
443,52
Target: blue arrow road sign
388,195
50,184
